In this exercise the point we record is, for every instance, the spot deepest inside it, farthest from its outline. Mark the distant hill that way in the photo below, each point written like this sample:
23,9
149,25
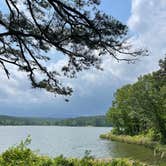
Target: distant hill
99,120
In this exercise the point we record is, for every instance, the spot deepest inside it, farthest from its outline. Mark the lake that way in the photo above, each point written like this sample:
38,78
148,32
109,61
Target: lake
72,142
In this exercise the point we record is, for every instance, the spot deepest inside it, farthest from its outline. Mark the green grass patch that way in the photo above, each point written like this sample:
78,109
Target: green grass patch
138,139
144,140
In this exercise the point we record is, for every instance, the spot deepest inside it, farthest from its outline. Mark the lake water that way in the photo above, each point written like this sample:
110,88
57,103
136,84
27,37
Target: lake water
72,142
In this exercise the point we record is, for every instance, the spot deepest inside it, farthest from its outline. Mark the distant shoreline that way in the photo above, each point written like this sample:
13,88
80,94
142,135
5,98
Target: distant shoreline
85,121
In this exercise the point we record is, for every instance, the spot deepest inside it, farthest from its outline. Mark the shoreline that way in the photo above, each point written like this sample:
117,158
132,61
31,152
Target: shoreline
141,140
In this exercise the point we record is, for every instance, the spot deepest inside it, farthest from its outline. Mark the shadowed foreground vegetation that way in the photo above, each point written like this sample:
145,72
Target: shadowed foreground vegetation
21,155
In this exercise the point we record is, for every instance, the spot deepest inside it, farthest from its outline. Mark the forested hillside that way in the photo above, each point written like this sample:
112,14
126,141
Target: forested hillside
140,108
80,121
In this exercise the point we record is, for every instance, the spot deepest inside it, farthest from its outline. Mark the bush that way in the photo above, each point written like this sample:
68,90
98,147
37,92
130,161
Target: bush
154,135
21,155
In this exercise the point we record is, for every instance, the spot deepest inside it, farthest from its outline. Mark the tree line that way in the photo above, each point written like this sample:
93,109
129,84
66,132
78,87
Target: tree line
79,121
141,107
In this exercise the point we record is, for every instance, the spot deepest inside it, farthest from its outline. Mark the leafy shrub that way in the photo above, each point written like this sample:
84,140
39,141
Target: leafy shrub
21,155
154,135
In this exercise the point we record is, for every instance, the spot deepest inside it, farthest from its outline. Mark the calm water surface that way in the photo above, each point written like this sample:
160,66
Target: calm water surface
72,142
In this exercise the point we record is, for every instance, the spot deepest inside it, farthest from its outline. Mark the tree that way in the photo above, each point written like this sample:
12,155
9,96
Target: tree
141,106
75,28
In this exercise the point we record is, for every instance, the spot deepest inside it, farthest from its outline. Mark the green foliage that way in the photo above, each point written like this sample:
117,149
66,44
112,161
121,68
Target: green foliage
125,163
21,155
80,121
88,155
153,134
140,108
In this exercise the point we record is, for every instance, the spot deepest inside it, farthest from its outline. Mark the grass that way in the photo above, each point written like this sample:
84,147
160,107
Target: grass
144,140
138,139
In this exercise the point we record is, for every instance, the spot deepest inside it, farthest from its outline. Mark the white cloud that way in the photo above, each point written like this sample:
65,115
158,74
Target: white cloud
147,21
17,89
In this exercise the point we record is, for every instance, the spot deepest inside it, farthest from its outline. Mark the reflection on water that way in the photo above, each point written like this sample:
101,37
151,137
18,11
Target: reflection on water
72,142
117,149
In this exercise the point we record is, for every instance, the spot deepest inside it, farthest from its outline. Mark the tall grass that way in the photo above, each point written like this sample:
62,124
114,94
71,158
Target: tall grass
144,140
138,139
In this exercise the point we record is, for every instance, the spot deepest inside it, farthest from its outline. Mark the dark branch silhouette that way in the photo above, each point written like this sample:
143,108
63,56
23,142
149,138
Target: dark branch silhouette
75,28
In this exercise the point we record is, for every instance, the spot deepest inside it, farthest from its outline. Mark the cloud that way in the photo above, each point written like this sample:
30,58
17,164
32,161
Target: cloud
147,20
93,90
16,89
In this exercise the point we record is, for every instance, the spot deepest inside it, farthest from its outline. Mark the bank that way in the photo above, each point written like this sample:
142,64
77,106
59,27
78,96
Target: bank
143,140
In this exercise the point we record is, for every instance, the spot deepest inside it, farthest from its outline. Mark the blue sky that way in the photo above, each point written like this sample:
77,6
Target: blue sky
93,90
120,9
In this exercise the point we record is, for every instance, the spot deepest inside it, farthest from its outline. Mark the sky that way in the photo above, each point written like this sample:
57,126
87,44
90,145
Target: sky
93,90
